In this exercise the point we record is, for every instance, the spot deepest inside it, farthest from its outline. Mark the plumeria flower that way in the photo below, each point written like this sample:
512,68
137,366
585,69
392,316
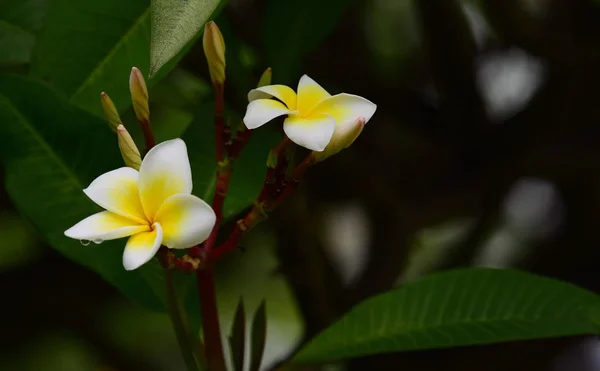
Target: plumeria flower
313,115
153,206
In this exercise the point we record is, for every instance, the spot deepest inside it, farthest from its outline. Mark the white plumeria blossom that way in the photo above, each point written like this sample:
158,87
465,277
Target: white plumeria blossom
152,207
313,115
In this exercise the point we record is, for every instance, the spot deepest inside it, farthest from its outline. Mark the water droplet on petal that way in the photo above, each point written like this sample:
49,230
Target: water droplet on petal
85,242
98,241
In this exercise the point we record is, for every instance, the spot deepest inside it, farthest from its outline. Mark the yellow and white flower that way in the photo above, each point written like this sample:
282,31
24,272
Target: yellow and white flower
313,114
153,206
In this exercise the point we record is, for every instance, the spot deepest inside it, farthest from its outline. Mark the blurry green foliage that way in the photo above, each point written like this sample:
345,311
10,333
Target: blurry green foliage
57,351
20,21
293,28
19,244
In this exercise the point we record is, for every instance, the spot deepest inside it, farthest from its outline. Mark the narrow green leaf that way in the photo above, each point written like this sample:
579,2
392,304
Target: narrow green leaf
175,23
51,151
237,338
258,337
457,308
293,28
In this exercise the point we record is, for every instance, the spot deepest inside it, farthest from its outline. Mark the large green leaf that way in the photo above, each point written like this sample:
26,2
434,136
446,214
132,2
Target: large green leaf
456,308
175,23
19,22
89,46
293,28
15,43
51,151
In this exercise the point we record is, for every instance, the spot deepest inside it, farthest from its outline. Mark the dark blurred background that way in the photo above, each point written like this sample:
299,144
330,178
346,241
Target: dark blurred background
485,150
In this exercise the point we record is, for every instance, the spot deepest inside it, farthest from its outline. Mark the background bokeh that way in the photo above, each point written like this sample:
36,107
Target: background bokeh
485,150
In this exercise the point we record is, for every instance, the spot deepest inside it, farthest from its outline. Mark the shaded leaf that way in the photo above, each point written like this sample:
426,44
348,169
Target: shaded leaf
293,28
90,46
237,338
258,337
51,151
15,43
176,23
19,23
457,308
25,14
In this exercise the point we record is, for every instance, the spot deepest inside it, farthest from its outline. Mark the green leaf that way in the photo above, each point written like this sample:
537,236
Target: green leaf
293,28
176,23
237,338
90,46
248,171
457,308
51,151
19,23
258,337
15,43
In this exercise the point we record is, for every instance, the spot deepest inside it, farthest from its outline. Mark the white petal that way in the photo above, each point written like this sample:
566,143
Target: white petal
117,191
141,247
104,226
310,94
186,221
261,111
346,108
343,137
314,133
165,171
281,92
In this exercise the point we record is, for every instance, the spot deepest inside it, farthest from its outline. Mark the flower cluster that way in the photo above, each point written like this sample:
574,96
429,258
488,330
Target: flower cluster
151,202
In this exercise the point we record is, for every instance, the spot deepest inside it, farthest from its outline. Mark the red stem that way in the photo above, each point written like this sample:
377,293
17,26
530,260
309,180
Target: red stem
148,136
210,320
205,277
219,122
270,197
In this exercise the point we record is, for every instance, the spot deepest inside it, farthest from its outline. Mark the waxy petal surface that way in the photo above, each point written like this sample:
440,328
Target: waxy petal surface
117,191
104,226
343,137
346,108
186,221
261,111
141,247
281,92
309,95
165,172
314,133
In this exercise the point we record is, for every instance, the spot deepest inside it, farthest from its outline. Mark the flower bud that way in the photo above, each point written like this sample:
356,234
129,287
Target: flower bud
139,94
214,49
265,79
272,159
129,151
110,111
345,134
